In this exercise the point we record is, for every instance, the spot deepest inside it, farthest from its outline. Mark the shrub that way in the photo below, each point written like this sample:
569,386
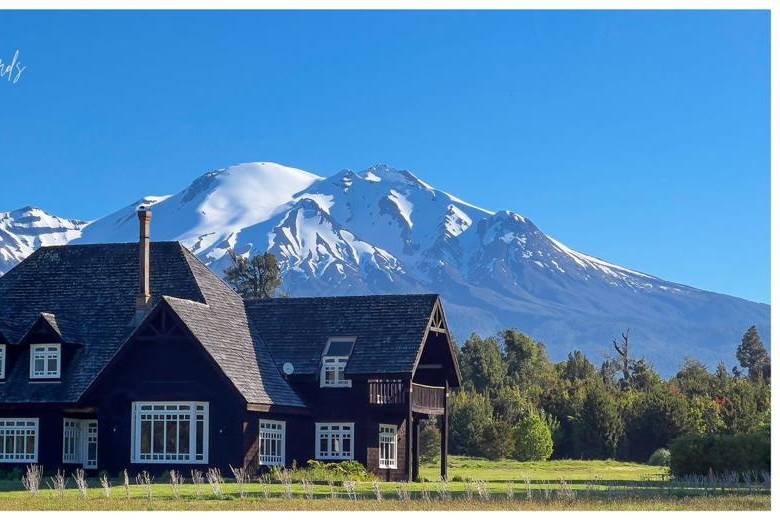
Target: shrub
660,457
532,439
698,454
497,441
470,415
316,471
430,443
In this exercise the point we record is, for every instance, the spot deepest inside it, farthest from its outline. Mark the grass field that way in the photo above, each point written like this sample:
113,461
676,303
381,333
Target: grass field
476,484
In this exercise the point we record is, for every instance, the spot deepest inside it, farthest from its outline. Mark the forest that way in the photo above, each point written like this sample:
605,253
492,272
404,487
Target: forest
516,403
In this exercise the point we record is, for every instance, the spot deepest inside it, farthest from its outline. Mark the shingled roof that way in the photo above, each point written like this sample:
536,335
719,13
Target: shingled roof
86,293
389,330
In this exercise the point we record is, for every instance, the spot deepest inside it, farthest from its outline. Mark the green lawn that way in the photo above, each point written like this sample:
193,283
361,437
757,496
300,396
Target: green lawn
504,485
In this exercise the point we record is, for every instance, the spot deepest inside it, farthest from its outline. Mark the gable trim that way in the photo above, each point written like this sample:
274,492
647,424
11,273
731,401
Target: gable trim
437,316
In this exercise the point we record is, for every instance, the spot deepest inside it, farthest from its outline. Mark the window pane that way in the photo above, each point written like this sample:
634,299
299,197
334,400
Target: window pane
170,436
146,437
158,437
340,348
199,438
184,437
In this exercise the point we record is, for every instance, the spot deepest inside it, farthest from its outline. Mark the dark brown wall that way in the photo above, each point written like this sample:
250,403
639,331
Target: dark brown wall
174,369
352,405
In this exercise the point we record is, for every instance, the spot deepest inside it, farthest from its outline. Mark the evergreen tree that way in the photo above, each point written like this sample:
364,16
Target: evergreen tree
470,415
752,355
598,430
255,278
482,366
577,367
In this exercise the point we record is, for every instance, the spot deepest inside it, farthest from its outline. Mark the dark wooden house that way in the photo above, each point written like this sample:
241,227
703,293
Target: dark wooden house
137,356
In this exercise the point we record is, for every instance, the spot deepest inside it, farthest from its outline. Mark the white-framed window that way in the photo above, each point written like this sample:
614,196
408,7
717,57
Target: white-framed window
164,432
79,442
388,446
2,361
335,441
45,361
19,440
271,443
334,361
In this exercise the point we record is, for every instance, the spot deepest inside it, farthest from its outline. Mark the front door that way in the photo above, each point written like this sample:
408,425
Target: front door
79,442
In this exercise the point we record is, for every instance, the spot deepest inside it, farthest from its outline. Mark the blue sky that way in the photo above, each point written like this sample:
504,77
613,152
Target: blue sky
638,137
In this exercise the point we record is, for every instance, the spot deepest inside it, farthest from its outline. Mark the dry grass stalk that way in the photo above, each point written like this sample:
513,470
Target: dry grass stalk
242,478
197,481
105,483
215,480
510,490
32,479
80,478
286,479
349,487
265,483
442,489
403,492
482,490
58,483
126,483
468,490
176,482
145,479
377,490
308,489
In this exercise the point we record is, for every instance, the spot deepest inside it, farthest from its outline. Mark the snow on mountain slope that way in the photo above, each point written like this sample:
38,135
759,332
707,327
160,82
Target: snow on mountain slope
384,230
24,230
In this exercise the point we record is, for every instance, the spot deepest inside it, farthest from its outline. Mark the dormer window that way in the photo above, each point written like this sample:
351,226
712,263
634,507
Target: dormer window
45,361
334,361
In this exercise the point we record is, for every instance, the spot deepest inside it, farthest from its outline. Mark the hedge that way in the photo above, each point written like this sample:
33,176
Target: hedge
698,454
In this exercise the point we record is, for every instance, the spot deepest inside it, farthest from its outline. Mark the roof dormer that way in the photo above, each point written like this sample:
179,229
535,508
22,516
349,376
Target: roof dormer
334,362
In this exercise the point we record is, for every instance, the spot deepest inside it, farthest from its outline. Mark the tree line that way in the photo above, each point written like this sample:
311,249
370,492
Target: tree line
516,403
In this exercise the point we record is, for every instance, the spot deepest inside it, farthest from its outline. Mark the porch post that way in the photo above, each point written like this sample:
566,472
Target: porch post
416,459
444,432
409,437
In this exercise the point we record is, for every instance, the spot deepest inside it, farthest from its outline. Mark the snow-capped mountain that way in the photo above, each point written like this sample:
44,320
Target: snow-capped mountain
385,230
24,230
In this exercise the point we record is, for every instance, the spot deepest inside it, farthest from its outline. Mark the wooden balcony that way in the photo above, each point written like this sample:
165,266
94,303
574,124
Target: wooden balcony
386,392
426,399
429,400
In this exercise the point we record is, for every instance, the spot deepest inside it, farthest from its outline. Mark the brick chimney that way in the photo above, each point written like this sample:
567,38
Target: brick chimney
144,287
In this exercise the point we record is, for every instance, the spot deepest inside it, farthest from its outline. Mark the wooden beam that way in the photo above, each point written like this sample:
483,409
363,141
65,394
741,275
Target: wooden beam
444,433
416,457
409,435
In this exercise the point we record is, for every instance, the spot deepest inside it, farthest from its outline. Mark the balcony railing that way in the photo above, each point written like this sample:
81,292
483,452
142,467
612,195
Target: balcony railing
425,399
428,399
386,391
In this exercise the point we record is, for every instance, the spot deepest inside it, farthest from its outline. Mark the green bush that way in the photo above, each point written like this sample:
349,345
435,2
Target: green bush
497,442
700,454
316,471
430,443
660,457
533,439
12,474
